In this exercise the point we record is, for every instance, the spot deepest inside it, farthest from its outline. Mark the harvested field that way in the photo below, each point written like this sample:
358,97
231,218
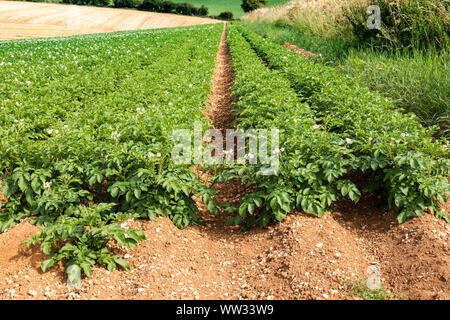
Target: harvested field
20,20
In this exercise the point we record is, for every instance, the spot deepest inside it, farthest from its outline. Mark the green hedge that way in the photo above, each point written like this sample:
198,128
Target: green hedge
166,6
421,24
87,123
163,6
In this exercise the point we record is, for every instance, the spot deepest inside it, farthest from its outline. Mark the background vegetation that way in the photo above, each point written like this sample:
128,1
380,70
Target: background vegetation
408,60
165,6
420,24
215,7
250,5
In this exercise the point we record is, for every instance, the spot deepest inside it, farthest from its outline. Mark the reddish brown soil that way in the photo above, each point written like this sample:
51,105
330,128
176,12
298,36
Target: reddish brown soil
221,99
300,51
302,258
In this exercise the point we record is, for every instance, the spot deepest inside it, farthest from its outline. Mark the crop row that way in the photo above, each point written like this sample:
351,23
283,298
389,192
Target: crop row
86,127
312,162
408,165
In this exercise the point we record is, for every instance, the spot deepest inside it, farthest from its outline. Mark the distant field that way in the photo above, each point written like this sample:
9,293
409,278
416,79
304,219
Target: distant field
217,6
37,20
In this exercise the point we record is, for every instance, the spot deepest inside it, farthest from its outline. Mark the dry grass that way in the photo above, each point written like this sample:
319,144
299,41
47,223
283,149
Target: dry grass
404,23
317,16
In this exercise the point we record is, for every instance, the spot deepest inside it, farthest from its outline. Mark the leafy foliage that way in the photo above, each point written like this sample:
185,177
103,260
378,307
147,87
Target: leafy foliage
415,80
86,127
167,6
313,162
250,5
408,165
358,288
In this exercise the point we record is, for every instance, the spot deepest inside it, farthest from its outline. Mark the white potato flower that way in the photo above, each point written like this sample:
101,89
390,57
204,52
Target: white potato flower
115,135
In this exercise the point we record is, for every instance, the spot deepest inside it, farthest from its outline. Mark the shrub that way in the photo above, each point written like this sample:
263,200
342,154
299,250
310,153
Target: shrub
168,6
226,15
124,4
203,11
151,5
163,6
408,165
312,166
250,5
79,2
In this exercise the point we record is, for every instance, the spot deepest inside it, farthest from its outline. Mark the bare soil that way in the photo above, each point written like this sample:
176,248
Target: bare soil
304,257
38,20
300,51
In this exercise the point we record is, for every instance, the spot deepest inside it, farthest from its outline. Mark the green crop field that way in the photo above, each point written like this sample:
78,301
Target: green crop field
88,120
113,158
332,126
87,124
217,6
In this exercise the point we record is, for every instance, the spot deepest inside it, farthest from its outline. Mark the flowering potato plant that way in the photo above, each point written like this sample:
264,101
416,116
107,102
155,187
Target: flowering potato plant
408,165
86,136
313,161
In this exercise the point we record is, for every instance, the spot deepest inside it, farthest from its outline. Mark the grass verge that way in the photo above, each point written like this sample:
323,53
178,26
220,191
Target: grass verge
416,80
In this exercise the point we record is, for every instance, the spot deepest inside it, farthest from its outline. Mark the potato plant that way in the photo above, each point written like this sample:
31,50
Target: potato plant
313,161
87,123
408,165
86,136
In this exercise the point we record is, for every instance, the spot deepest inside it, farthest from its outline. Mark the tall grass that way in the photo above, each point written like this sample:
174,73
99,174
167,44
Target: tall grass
319,17
420,24
417,80
412,68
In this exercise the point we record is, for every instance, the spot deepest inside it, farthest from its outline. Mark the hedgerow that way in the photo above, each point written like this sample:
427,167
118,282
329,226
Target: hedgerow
164,6
167,6
409,166
86,127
